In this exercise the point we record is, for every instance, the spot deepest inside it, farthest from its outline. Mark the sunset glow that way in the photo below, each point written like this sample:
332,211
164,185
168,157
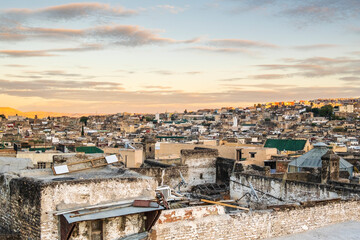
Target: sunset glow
150,56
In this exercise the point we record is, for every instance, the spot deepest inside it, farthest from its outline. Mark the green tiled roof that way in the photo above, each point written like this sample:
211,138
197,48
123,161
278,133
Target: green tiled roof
285,144
89,150
39,149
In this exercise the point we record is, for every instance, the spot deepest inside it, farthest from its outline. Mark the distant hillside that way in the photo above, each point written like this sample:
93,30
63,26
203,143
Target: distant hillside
7,111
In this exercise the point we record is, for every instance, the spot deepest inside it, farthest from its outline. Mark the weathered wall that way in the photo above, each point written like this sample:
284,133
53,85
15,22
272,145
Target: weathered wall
64,195
261,153
189,224
198,167
286,189
41,157
298,176
20,206
202,165
282,166
165,176
172,150
224,169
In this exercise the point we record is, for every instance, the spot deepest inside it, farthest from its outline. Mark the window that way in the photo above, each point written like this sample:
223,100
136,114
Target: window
201,176
96,230
149,149
238,154
252,154
41,165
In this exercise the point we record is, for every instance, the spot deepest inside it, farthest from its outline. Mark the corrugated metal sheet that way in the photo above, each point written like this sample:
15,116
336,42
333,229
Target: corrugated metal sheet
136,236
312,159
92,215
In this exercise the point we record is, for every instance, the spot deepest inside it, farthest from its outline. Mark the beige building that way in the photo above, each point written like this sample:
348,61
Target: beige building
43,159
248,154
132,158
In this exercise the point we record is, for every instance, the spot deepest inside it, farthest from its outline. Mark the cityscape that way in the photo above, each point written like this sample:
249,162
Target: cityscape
160,120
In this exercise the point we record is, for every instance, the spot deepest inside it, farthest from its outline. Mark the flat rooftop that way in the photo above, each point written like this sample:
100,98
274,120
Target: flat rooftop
106,172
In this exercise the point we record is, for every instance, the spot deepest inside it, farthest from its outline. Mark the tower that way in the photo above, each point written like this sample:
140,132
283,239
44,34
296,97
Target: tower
235,122
330,167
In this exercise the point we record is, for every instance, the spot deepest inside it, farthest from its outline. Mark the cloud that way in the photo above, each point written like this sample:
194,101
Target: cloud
171,8
25,53
128,35
114,93
156,87
48,52
270,76
125,35
233,46
303,12
315,47
193,73
317,66
221,50
17,65
54,85
163,72
350,79
241,43
230,79
66,12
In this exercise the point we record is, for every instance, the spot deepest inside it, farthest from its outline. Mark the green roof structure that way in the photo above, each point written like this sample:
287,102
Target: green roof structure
312,159
40,149
285,144
89,150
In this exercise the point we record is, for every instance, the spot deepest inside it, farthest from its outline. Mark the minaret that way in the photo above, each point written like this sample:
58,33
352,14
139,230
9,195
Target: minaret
330,167
235,122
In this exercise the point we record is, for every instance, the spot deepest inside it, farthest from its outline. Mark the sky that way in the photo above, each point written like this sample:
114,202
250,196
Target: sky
156,56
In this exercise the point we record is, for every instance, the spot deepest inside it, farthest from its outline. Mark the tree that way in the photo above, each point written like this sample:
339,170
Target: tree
326,111
149,119
84,120
2,116
315,111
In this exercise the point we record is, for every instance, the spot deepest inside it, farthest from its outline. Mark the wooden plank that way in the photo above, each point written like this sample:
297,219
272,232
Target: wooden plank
86,161
91,161
224,204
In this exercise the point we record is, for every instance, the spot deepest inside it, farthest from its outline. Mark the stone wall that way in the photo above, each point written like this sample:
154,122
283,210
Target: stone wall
224,169
298,176
20,206
198,167
208,223
287,189
202,165
165,176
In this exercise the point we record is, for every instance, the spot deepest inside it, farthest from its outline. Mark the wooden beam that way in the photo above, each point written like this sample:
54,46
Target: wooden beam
224,204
